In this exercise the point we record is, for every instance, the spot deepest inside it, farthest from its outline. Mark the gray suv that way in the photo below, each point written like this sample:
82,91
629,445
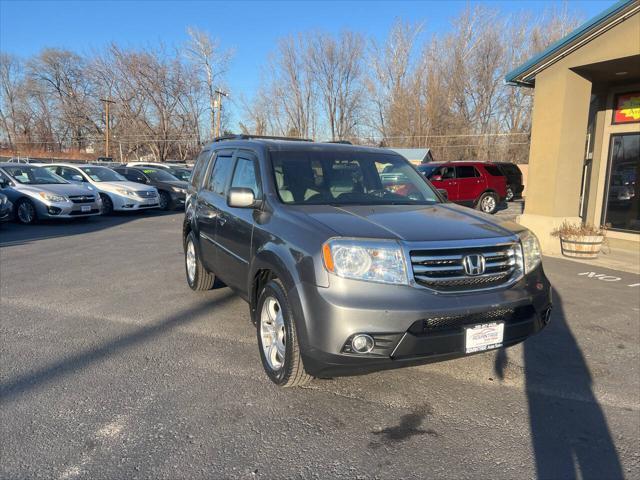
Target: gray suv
348,271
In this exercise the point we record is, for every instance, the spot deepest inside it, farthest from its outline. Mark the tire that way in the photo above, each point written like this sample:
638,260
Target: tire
165,201
487,203
26,212
275,324
107,204
198,278
510,195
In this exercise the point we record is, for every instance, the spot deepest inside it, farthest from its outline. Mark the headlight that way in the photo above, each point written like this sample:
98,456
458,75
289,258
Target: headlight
531,253
369,260
52,197
179,189
124,191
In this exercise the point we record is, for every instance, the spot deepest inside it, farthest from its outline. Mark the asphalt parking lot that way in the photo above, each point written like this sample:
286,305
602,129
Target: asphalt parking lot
112,368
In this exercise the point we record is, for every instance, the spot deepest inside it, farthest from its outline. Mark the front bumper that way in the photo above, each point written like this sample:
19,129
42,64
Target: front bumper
177,199
68,209
393,316
128,203
6,211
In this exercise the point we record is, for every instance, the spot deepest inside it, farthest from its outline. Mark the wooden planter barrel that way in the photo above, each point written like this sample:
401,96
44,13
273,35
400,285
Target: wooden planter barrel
581,247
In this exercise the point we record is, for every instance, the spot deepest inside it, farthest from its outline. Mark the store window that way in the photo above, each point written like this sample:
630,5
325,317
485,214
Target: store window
622,204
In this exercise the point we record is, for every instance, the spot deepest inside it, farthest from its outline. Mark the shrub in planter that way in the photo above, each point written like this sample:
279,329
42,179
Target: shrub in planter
580,240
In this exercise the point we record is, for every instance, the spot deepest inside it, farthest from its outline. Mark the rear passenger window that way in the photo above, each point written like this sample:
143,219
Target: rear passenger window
245,175
493,170
200,168
466,171
220,174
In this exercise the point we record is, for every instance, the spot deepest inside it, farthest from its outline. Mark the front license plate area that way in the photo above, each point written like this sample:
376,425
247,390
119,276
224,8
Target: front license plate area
484,336
85,208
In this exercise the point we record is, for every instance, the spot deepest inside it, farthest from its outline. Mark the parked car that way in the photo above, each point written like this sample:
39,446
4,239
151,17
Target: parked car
37,193
172,192
473,184
344,275
6,208
181,173
117,193
515,187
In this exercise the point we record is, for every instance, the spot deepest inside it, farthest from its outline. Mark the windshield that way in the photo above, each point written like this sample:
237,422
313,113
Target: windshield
181,174
159,175
102,174
348,178
30,175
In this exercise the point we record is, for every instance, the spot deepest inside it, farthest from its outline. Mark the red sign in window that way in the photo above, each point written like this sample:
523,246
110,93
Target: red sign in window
627,108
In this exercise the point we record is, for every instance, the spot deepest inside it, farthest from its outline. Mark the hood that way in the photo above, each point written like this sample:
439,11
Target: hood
411,223
112,186
176,183
59,188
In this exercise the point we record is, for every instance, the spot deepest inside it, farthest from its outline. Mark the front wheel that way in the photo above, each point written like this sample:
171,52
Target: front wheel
488,203
165,201
26,212
107,204
198,277
277,338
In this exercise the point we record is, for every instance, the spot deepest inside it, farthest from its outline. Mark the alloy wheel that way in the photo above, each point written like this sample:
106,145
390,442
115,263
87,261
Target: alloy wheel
164,201
273,333
509,194
26,212
488,204
191,261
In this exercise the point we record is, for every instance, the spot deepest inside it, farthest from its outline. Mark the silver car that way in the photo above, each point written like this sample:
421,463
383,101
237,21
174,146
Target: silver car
37,193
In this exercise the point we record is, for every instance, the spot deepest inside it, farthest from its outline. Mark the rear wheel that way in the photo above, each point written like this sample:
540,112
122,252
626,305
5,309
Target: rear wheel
277,338
488,203
26,212
107,204
198,277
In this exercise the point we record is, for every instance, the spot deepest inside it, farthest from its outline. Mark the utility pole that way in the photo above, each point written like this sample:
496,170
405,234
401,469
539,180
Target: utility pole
219,105
107,102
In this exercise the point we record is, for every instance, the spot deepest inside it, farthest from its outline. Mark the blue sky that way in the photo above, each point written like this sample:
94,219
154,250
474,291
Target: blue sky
250,28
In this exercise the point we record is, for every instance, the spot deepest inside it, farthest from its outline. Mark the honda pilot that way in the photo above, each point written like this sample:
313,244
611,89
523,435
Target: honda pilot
348,270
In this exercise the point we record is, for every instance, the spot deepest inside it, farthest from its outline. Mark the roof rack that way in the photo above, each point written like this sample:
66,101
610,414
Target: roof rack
341,142
243,136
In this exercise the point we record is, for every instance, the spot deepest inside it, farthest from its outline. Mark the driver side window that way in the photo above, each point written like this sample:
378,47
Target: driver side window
244,175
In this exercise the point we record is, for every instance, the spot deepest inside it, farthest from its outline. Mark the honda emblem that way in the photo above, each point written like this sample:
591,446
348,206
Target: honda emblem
474,264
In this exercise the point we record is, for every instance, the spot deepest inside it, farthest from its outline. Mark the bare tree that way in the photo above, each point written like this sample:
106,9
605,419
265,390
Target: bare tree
335,65
212,61
391,69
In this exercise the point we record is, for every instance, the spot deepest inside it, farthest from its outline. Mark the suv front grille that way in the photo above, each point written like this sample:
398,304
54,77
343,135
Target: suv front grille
452,322
82,198
443,269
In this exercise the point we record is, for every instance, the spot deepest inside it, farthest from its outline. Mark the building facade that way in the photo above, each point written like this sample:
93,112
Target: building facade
584,159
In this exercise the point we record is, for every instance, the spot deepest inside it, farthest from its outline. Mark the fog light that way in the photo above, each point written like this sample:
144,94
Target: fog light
362,343
53,210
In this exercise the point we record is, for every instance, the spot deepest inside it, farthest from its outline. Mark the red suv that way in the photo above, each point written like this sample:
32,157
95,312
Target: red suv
475,184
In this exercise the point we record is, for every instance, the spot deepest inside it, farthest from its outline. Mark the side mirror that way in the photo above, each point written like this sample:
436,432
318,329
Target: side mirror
444,193
77,178
436,178
241,198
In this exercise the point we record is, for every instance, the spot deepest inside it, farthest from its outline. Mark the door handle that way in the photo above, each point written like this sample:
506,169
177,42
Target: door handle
222,220
205,213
